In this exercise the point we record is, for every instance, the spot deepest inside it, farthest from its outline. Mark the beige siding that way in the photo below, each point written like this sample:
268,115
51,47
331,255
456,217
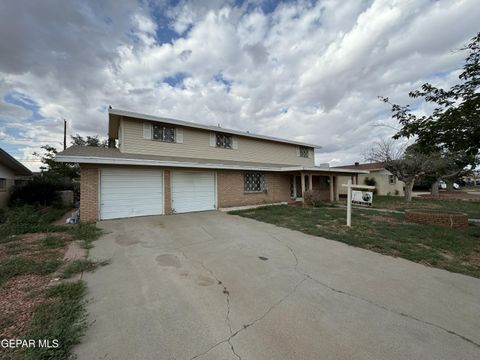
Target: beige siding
382,185
196,145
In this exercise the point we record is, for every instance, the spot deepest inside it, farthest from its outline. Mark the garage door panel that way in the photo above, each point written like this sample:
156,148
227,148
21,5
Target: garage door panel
193,191
130,192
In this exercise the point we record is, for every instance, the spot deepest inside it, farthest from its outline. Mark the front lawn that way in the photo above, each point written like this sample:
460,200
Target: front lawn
472,208
456,250
33,307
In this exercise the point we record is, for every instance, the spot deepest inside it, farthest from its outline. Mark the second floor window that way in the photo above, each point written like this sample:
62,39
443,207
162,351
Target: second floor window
392,180
304,151
223,141
163,133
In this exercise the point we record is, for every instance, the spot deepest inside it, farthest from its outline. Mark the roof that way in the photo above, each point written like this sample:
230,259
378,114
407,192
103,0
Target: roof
365,166
9,161
98,155
116,114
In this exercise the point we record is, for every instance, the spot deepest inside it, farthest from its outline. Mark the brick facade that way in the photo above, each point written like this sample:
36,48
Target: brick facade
89,178
230,189
453,220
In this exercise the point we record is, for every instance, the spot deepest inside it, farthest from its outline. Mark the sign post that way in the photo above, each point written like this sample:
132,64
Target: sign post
366,200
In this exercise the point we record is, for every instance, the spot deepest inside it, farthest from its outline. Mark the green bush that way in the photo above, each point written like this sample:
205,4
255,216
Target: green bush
370,181
39,191
313,197
28,219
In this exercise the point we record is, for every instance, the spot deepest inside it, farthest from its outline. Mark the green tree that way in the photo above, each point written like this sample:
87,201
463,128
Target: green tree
61,171
454,124
78,140
56,170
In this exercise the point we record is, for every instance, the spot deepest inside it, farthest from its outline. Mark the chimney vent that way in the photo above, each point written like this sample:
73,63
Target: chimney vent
357,163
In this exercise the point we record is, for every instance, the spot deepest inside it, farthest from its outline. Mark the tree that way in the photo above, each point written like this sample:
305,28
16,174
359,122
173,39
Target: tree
56,170
407,164
454,124
78,140
59,170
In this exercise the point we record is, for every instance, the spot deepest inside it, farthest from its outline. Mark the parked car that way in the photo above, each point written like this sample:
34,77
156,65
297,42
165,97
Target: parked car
443,185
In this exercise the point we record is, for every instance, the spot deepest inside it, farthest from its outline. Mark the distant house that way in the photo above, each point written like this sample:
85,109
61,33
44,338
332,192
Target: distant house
385,182
11,172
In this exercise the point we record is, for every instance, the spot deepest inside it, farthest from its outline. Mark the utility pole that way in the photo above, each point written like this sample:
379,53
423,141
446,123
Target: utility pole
64,134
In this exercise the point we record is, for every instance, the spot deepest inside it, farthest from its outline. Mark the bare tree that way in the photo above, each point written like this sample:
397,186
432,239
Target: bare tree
404,162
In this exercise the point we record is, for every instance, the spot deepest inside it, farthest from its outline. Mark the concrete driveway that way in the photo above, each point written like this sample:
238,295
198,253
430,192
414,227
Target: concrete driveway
215,286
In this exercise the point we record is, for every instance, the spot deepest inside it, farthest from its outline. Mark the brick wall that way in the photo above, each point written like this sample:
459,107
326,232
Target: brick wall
229,182
89,193
167,205
453,220
230,189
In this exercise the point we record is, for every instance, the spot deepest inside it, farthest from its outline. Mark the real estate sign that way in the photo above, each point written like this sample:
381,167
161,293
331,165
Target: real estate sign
362,197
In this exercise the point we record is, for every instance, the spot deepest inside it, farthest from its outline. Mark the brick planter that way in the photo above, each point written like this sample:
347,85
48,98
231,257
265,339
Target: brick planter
453,220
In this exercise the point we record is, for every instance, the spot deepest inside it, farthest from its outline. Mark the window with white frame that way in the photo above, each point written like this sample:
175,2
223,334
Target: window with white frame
254,182
304,151
3,184
163,133
224,141
392,180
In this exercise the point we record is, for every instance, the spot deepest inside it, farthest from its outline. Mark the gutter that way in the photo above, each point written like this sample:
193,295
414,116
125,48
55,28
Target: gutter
182,164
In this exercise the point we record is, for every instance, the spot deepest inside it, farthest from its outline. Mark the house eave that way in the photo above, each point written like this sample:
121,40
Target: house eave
190,164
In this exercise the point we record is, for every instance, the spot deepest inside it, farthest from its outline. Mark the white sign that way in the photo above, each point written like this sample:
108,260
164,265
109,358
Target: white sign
362,197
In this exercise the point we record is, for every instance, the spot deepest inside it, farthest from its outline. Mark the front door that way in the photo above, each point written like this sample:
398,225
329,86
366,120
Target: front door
298,185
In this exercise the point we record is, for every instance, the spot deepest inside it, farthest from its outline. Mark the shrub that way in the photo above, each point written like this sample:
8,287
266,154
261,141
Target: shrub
27,219
39,191
371,182
313,197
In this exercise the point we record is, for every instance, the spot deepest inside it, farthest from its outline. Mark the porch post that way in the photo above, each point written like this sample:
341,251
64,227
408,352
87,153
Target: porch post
331,188
356,179
303,183
310,182
337,197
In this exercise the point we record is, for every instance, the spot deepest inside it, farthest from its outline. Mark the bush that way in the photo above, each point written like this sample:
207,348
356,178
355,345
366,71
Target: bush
28,219
313,197
39,191
370,181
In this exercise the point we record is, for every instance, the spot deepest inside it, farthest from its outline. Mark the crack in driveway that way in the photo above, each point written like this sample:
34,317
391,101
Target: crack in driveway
383,307
253,322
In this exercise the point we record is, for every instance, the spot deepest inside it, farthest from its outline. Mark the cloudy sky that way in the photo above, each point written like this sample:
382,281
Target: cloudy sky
303,70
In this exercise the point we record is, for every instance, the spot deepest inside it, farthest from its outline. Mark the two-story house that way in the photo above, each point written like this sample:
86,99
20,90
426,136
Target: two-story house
165,166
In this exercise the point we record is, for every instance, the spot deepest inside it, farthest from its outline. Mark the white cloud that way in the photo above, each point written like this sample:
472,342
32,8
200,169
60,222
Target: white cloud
310,71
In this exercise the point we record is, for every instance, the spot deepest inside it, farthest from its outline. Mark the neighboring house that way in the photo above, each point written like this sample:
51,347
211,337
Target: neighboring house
11,172
385,182
165,166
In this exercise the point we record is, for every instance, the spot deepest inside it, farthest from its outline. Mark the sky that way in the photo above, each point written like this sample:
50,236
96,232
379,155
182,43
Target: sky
310,71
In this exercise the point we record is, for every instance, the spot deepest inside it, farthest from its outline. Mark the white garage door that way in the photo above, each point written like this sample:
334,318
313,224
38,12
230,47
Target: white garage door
193,191
130,192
